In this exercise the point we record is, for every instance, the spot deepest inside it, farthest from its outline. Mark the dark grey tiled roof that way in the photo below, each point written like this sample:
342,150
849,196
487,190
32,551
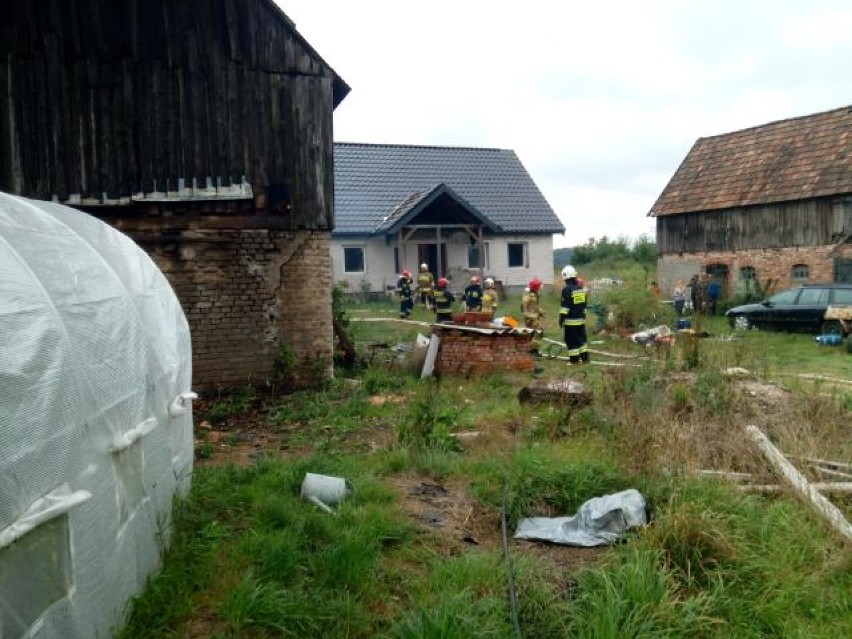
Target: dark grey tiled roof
372,182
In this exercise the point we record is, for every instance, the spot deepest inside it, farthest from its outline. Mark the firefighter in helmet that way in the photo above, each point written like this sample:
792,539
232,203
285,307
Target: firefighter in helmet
489,297
572,316
406,298
443,299
472,297
425,286
531,308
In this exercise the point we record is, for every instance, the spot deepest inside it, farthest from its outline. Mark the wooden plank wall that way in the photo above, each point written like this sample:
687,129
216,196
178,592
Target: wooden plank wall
120,97
816,222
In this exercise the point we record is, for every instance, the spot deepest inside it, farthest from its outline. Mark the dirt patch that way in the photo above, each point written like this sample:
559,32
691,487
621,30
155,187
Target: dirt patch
448,510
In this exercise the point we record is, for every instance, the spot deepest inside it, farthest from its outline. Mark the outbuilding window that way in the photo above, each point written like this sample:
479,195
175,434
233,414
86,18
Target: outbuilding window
748,273
353,259
801,272
517,254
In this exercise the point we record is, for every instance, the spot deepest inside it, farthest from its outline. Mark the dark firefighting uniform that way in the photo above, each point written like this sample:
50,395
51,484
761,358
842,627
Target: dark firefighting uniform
572,317
443,305
473,297
406,300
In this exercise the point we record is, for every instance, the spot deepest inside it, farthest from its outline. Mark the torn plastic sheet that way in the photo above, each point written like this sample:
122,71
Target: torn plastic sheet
598,522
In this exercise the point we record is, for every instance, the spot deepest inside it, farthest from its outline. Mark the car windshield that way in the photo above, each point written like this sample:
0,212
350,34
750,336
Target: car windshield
785,297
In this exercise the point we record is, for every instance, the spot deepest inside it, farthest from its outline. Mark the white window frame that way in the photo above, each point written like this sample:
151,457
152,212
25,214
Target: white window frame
526,257
485,252
363,250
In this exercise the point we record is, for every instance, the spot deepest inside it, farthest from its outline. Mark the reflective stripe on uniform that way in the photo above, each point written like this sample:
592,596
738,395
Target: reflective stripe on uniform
573,322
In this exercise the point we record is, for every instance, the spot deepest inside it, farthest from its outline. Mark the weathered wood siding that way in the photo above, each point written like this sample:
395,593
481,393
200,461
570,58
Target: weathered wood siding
815,222
111,99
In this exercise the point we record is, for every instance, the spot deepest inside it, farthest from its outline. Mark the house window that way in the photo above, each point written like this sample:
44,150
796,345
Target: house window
396,266
517,256
353,259
801,272
748,273
474,255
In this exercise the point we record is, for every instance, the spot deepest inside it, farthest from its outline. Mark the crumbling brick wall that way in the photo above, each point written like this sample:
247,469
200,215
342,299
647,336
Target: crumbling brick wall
468,353
771,263
247,293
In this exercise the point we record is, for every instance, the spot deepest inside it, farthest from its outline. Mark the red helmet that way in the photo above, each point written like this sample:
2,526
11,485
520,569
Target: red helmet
442,282
535,284
474,279
406,273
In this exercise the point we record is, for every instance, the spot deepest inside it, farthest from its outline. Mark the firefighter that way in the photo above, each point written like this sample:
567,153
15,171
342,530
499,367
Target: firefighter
531,308
443,299
489,298
406,299
425,286
472,297
572,316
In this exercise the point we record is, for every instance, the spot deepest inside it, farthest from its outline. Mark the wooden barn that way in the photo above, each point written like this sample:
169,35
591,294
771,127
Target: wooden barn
202,129
772,202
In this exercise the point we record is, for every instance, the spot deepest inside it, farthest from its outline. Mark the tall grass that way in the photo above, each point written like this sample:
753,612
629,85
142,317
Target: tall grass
249,558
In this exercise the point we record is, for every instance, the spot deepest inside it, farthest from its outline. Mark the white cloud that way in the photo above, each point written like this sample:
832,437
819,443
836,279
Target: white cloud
601,101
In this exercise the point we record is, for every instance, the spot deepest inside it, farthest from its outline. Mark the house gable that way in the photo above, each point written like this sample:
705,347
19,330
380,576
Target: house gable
439,206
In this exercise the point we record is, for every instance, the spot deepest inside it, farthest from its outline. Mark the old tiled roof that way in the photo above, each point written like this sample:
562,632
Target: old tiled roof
795,159
372,182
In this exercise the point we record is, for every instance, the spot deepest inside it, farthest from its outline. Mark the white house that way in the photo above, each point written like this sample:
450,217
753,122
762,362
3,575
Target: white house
462,211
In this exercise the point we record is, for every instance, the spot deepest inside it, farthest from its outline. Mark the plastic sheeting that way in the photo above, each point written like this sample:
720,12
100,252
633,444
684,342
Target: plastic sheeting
599,521
95,352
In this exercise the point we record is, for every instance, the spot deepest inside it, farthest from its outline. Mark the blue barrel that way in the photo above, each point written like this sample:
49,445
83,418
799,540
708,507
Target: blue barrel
683,322
831,339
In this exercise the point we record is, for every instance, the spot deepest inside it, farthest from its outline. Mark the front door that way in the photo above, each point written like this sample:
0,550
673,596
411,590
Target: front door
428,254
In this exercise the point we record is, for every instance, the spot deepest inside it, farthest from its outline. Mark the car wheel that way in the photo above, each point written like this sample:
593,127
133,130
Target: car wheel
832,327
742,323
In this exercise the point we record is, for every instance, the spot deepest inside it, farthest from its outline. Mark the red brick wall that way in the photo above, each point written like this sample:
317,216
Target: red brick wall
775,263
465,353
247,292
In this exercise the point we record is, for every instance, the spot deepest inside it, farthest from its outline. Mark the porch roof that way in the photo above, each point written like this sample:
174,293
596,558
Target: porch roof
448,208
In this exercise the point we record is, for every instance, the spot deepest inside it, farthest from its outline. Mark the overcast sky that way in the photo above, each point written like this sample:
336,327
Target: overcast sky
601,101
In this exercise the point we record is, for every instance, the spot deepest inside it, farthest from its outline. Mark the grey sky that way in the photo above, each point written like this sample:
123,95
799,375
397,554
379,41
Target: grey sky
601,102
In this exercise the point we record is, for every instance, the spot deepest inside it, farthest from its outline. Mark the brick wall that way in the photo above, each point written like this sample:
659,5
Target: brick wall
247,292
774,263
466,353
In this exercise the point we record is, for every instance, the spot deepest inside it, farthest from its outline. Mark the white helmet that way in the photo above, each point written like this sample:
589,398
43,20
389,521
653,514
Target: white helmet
424,266
568,272
489,282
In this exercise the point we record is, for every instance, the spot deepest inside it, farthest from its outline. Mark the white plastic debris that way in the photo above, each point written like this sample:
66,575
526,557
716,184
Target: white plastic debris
598,522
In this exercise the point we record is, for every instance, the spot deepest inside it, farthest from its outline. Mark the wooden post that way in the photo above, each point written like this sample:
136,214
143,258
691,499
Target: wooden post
481,255
800,485
440,266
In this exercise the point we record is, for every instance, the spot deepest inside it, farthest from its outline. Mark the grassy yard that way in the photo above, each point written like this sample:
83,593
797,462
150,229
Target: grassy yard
417,551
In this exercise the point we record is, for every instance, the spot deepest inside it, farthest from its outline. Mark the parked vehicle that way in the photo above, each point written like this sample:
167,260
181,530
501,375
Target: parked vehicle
796,309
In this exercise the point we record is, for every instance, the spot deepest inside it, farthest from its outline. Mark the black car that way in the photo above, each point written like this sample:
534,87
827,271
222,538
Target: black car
796,309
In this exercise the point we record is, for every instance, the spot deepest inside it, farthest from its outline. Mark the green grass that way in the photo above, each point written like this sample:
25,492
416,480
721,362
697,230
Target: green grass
250,558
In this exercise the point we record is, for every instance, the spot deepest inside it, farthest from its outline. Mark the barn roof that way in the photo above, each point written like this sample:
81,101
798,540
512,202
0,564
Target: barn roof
795,159
372,182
